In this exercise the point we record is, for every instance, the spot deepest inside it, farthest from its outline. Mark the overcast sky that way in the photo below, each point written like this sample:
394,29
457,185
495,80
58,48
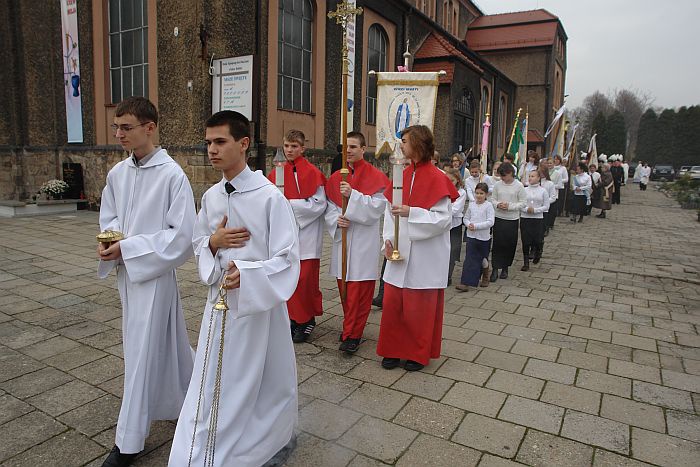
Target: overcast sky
649,45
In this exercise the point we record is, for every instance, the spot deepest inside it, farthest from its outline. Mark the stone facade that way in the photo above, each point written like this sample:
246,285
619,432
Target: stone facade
33,131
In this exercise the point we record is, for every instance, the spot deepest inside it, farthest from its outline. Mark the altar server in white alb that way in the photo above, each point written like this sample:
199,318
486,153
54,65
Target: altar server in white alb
243,411
149,199
364,190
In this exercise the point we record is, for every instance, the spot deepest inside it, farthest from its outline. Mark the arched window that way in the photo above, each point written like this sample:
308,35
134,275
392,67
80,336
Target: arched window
377,46
294,63
485,107
502,122
465,103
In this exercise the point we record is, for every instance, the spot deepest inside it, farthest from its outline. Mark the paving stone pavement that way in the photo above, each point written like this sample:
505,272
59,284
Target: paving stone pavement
590,358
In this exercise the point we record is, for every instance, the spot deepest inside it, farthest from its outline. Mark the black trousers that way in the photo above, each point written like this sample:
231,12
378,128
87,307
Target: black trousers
616,195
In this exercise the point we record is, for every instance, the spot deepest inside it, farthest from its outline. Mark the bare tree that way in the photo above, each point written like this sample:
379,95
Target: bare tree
632,103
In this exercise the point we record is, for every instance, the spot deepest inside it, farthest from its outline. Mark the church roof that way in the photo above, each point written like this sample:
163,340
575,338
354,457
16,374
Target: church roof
436,46
523,29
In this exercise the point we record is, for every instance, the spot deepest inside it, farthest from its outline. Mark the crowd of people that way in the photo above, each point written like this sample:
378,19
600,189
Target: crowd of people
258,242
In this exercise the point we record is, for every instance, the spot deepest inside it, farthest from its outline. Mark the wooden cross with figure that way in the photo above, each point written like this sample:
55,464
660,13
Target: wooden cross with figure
342,15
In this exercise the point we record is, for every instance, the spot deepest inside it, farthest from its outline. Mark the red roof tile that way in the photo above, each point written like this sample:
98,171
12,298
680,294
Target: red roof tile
444,65
436,46
516,17
512,37
534,136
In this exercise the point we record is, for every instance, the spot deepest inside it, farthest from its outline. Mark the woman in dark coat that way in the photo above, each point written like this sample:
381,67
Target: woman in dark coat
607,188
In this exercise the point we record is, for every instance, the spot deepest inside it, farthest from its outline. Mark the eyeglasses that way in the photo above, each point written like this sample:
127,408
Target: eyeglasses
126,128
456,160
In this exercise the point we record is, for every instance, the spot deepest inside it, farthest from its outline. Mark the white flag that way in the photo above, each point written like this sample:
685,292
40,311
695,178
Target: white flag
557,116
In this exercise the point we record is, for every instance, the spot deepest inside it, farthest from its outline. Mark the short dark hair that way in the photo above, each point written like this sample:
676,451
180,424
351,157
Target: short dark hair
238,124
474,165
508,156
482,186
358,136
505,168
583,166
139,107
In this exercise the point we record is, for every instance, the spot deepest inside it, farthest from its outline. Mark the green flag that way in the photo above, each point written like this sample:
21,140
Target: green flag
515,142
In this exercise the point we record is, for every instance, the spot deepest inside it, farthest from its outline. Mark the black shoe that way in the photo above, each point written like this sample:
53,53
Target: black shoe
350,345
531,255
303,331
390,363
546,232
293,326
504,273
536,260
494,275
378,301
580,219
410,365
117,459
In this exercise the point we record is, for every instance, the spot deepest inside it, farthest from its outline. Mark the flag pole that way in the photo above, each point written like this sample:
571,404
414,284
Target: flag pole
342,16
512,133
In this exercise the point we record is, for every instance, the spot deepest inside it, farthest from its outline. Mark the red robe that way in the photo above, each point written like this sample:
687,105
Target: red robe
307,301
411,325
368,180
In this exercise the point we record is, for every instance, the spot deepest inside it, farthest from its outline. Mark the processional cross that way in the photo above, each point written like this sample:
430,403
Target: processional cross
344,12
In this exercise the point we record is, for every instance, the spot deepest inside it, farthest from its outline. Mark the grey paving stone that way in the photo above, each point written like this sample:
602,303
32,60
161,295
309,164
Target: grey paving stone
430,451
99,371
633,413
523,334
487,434
325,420
619,352
35,383
484,325
610,459
26,431
550,371
67,449
514,383
583,360
373,372
362,461
533,349
378,439
492,341
600,382
329,386
634,341
663,396
502,360
50,347
634,371
430,417
11,408
538,415
571,397
311,450
14,364
542,449
74,358
64,398
423,385
474,399
681,380
683,425
376,400
460,350
487,460
663,450
590,333
596,431
94,416
464,371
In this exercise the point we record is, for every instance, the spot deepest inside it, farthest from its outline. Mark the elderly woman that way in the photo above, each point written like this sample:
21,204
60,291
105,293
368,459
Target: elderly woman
607,187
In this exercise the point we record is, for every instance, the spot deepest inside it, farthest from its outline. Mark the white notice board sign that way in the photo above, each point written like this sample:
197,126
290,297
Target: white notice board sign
232,85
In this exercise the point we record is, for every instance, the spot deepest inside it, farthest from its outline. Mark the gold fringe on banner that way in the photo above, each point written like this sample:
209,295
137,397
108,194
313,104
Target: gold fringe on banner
405,82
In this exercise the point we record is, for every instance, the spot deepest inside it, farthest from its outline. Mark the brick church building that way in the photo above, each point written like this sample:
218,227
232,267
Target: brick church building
162,49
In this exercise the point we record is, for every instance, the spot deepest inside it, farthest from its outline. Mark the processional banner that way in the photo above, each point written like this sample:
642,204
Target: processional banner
403,99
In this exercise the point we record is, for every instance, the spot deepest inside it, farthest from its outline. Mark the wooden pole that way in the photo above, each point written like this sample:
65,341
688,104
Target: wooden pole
342,15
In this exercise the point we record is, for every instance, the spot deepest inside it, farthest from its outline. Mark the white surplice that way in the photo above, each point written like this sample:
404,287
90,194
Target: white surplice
424,238
364,243
309,216
258,403
153,205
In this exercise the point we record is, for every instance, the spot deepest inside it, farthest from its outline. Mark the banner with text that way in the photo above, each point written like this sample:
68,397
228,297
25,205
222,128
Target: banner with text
71,70
232,85
403,99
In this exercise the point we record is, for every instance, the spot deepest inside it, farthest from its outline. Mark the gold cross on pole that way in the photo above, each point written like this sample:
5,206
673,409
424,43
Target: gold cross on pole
342,15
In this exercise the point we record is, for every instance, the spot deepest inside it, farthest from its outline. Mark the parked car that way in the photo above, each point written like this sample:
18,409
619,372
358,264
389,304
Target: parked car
682,171
695,172
662,172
